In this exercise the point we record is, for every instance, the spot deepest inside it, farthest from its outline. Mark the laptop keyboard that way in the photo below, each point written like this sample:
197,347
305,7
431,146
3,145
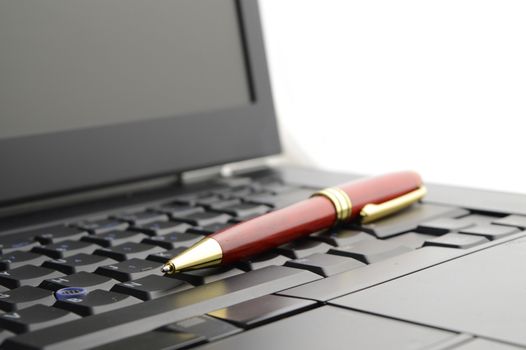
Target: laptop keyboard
116,259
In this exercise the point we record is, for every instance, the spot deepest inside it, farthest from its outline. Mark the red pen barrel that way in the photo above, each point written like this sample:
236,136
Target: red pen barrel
379,189
275,228
314,214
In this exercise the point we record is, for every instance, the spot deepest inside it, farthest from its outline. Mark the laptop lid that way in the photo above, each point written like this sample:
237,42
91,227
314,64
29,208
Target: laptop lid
102,92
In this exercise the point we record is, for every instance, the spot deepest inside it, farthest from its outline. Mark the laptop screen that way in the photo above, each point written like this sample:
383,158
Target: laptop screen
104,92
76,64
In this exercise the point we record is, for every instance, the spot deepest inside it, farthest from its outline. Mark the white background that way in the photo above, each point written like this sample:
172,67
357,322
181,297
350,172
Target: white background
380,85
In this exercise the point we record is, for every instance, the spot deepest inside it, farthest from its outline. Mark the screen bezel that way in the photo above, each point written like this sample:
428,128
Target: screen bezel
64,162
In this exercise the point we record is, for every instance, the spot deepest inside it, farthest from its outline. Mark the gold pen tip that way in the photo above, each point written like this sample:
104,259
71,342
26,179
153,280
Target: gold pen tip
167,269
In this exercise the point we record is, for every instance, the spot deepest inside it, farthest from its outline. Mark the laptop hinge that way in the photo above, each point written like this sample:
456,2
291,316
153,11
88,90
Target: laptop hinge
230,169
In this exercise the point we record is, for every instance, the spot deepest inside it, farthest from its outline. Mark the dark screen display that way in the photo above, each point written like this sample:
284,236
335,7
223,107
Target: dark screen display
72,64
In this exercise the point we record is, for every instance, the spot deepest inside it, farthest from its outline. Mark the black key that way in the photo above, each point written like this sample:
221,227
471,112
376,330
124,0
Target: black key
370,251
281,200
22,241
208,200
174,240
235,192
161,228
101,226
65,248
5,334
512,220
325,264
489,231
27,275
77,263
155,341
208,327
18,258
340,238
411,240
178,210
97,330
456,240
191,198
127,251
151,287
204,219
262,260
96,302
278,188
207,230
207,275
245,210
35,317
25,296
130,270
113,238
224,203
163,257
57,234
301,248
443,225
89,281
262,310
408,219
141,218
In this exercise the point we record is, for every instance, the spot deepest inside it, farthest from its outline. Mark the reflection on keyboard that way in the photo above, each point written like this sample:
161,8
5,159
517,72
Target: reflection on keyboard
117,260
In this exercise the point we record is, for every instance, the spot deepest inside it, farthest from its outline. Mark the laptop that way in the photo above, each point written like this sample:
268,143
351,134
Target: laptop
129,130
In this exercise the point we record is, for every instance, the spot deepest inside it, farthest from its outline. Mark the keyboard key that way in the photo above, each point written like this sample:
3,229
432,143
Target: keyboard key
235,192
456,240
25,296
155,341
208,327
130,270
245,210
141,218
27,275
174,240
150,287
15,242
101,226
178,210
65,248
163,257
97,330
96,302
325,264
279,187
489,231
223,203
411,240
408,219
18,258
282,200
161,228
443,225
370,251
204,218
127,251
207,275
262,260
262,310
113,238
342,237
35,317
301,248
77,263
89,281
208,230
512,220
57,234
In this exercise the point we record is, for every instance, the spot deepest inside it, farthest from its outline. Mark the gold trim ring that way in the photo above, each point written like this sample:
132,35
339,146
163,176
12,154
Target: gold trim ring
340,200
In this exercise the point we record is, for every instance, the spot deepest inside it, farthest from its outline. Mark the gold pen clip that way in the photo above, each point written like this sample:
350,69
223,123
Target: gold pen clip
372,212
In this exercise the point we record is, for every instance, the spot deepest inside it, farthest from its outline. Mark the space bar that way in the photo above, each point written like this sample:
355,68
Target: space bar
104,328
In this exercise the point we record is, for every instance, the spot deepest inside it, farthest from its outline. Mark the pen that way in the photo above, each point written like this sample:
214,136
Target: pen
368,199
